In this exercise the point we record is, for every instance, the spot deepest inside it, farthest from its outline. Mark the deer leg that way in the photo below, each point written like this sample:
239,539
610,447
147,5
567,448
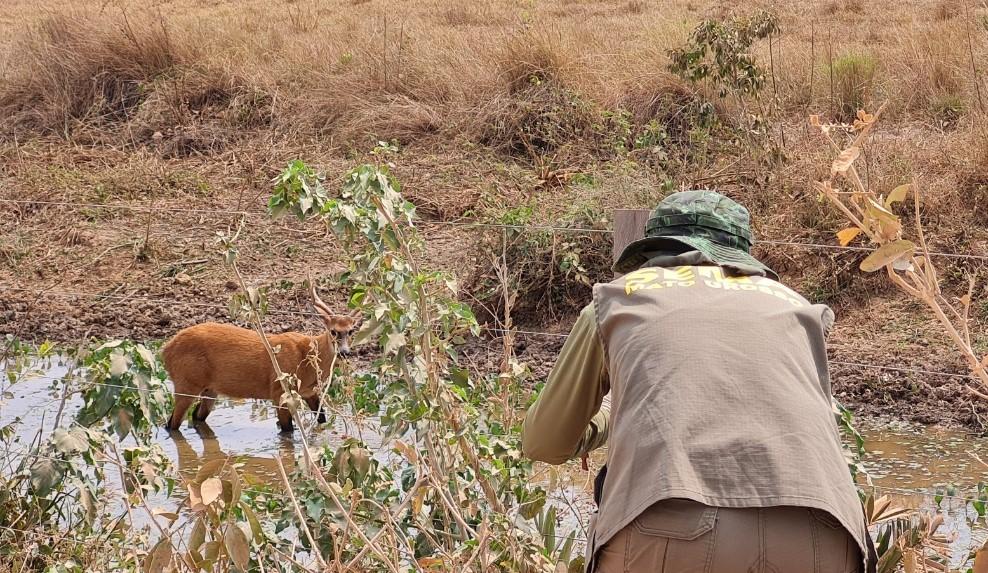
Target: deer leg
182,405
315,404
284,415
206,402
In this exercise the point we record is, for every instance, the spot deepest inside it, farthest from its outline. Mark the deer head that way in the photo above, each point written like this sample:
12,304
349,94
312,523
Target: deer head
339,326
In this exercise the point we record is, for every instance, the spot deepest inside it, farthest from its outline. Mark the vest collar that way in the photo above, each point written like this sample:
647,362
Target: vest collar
698,258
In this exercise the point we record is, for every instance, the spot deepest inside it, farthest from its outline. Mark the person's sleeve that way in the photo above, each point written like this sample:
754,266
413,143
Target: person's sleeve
567,421
828,319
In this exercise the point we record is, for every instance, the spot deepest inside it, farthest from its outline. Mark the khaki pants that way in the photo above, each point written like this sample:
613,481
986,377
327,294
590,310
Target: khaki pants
683,536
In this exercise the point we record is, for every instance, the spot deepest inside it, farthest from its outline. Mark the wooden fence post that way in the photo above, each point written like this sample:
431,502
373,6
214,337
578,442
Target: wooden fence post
629,226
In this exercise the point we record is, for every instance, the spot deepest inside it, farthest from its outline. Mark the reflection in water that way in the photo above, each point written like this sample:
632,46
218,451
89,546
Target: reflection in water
255,469
902,455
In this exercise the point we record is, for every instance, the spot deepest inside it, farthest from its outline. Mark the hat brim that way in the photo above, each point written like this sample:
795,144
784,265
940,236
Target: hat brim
633,256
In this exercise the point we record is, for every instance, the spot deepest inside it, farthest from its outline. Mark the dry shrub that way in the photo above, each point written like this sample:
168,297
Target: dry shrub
544,119
844,6
678,107
393,90
87,70
549,274
972,176
933,76
635,6
471,14
532,59
946,10
533,112
199,110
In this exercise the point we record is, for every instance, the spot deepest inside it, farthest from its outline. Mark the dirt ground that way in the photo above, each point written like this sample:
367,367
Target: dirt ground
111,197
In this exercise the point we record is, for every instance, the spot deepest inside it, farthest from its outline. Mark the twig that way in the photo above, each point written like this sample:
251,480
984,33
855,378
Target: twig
970,50
113,248
454,511
830,60
398,510
812,56
298,512
484,532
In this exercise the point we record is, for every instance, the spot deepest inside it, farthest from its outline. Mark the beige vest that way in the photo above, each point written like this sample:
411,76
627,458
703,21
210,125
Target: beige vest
720,394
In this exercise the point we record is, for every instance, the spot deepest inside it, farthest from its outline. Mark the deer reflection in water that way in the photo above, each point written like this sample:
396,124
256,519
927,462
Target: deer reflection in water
258,469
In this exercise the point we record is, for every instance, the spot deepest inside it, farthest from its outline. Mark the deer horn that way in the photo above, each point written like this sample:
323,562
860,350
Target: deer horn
318,302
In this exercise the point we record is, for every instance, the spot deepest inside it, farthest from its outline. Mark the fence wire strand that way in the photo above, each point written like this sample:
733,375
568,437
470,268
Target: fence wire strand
476,224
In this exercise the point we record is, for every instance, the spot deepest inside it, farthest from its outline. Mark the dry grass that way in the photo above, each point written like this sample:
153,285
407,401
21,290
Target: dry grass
946,10
74,69
431,71
532,93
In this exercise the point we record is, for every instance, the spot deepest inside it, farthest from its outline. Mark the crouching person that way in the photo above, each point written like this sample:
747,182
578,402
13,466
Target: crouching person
723,452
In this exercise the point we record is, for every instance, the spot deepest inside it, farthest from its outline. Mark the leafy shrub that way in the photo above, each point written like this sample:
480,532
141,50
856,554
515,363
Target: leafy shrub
720,51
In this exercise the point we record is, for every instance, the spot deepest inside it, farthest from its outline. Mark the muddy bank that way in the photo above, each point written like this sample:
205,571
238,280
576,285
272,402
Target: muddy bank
857,376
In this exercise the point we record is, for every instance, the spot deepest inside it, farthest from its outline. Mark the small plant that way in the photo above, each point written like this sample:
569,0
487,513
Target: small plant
907,263
456,493
297,189
126,386
550,271
720,51
947,109
853,78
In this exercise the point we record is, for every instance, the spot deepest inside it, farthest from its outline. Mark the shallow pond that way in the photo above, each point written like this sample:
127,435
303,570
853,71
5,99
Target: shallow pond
908,462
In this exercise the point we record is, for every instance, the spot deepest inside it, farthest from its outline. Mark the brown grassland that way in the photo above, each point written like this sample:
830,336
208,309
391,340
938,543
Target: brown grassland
182,108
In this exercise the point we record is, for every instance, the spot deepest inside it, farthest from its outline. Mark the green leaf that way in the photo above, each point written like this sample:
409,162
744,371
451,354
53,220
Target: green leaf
360,461
110,344
887,254
255,525
119,364
145,355
88,503
393,341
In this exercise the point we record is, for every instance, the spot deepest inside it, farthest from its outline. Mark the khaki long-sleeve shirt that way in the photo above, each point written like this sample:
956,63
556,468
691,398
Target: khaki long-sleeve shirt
721,394
570,418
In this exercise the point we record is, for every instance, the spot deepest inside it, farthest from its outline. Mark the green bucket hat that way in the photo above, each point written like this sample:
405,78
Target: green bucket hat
702,220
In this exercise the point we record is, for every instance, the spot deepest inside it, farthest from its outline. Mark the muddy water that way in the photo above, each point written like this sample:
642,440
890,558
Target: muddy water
907,462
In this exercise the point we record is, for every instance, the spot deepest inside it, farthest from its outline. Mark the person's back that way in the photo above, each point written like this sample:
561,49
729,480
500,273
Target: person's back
723,452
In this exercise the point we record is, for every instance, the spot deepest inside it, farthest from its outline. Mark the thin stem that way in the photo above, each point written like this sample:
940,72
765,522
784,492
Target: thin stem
298,513
440,489
401,507
930,270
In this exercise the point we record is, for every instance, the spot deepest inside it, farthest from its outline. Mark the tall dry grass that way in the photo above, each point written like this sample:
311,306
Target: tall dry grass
197,74
82,69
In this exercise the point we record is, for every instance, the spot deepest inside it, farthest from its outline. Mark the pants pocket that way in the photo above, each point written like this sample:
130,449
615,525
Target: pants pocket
834,550
675,535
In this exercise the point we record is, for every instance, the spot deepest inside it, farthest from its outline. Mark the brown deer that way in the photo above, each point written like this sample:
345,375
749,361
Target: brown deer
210,359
